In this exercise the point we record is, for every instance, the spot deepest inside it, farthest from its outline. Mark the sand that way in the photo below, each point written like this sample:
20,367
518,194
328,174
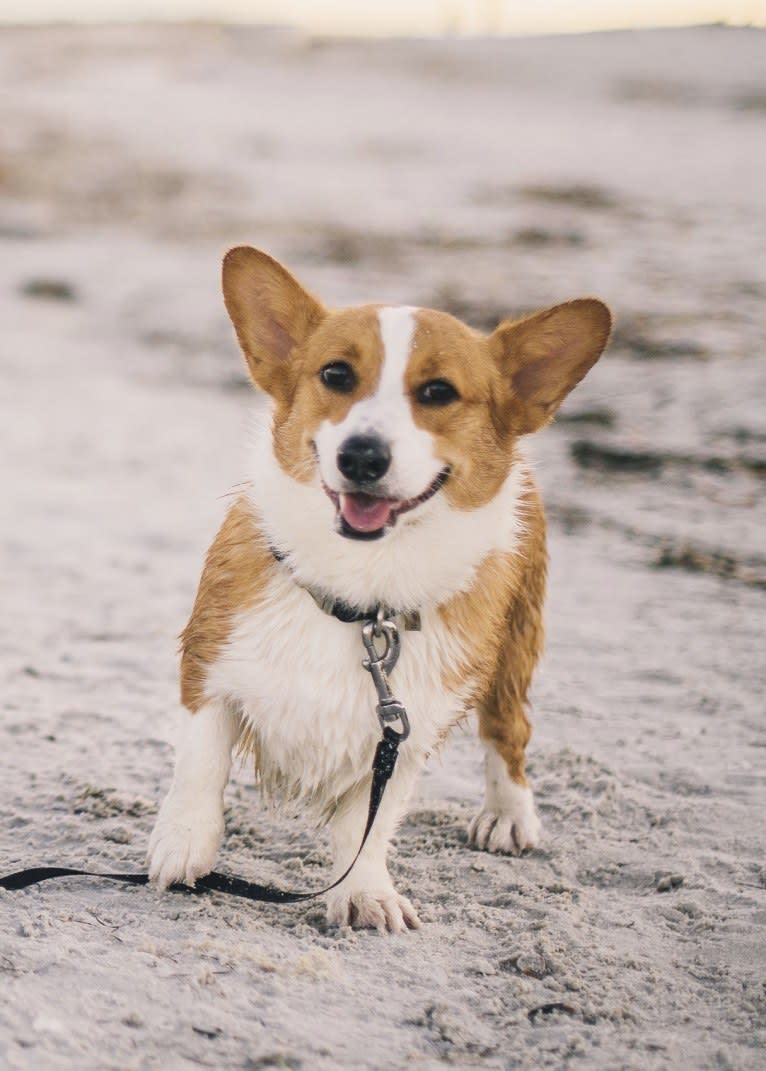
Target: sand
487,178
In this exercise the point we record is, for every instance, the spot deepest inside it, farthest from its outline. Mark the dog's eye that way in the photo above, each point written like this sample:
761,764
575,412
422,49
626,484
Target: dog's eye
338,376
436,392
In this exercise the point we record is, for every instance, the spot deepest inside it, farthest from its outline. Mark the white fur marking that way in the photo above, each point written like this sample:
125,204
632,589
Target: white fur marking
388,414
397,330
412,566
367,898
315,744
508,821
189,828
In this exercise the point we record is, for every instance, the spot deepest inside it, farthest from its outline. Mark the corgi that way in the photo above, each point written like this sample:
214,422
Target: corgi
386,471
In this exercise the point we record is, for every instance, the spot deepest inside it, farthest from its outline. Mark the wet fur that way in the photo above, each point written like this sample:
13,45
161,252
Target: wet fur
264,667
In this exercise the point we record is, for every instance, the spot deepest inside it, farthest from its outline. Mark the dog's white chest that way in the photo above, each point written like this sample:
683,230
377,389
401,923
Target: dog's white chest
297,676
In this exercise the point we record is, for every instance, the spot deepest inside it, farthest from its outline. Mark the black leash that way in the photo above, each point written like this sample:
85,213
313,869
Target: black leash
388,710
382,768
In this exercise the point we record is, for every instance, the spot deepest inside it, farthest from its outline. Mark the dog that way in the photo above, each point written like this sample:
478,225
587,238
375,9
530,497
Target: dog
386,472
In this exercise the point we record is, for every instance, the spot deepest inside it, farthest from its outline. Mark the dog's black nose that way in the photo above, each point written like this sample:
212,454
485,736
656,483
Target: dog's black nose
364,458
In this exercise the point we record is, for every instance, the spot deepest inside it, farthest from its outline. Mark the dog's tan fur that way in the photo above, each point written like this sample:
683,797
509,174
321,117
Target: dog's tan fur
459,533
236,570
510,383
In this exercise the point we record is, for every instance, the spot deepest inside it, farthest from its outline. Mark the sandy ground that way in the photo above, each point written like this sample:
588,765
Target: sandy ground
485,178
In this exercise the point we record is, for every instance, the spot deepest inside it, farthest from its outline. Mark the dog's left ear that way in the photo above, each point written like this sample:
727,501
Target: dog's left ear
271,313
545,355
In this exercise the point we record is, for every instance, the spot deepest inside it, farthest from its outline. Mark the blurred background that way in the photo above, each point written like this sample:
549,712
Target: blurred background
405,16
479,171
478,158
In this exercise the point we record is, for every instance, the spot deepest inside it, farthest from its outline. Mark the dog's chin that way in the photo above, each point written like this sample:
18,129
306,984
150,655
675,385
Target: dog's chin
368,517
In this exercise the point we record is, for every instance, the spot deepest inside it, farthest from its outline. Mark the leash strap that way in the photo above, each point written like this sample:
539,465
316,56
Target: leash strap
379,664
382,768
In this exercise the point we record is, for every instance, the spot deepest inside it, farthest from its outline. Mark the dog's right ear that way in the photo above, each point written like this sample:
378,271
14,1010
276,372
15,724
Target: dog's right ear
271,313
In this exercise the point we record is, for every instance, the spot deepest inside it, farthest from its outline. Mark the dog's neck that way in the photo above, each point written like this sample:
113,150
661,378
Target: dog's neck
349,615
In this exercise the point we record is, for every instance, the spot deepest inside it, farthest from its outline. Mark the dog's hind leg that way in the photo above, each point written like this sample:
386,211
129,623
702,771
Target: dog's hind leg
189,827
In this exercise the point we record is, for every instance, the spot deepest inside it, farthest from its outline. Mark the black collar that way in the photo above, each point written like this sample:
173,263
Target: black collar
343,611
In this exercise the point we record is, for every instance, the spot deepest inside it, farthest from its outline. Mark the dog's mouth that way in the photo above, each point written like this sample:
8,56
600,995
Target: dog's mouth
363,516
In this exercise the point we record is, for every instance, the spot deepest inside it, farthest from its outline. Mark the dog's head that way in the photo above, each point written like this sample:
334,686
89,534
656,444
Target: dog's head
387,411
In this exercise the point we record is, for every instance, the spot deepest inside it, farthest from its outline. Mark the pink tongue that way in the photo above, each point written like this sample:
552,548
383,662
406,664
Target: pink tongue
366,514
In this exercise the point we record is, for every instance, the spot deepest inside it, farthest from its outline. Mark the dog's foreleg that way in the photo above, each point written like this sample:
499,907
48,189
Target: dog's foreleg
367,898
189,827
508,821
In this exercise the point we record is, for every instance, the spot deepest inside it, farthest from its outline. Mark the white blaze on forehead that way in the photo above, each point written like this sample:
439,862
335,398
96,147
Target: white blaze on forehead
388,414
397,329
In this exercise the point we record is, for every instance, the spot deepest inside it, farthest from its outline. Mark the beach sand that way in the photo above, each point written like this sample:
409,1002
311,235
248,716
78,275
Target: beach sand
487,178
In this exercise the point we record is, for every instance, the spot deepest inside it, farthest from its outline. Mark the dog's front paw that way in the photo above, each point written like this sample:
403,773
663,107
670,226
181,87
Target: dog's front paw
184,843
512,828
382,910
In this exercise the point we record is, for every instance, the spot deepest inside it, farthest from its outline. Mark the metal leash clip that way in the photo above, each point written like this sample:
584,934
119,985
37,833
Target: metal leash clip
379,665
